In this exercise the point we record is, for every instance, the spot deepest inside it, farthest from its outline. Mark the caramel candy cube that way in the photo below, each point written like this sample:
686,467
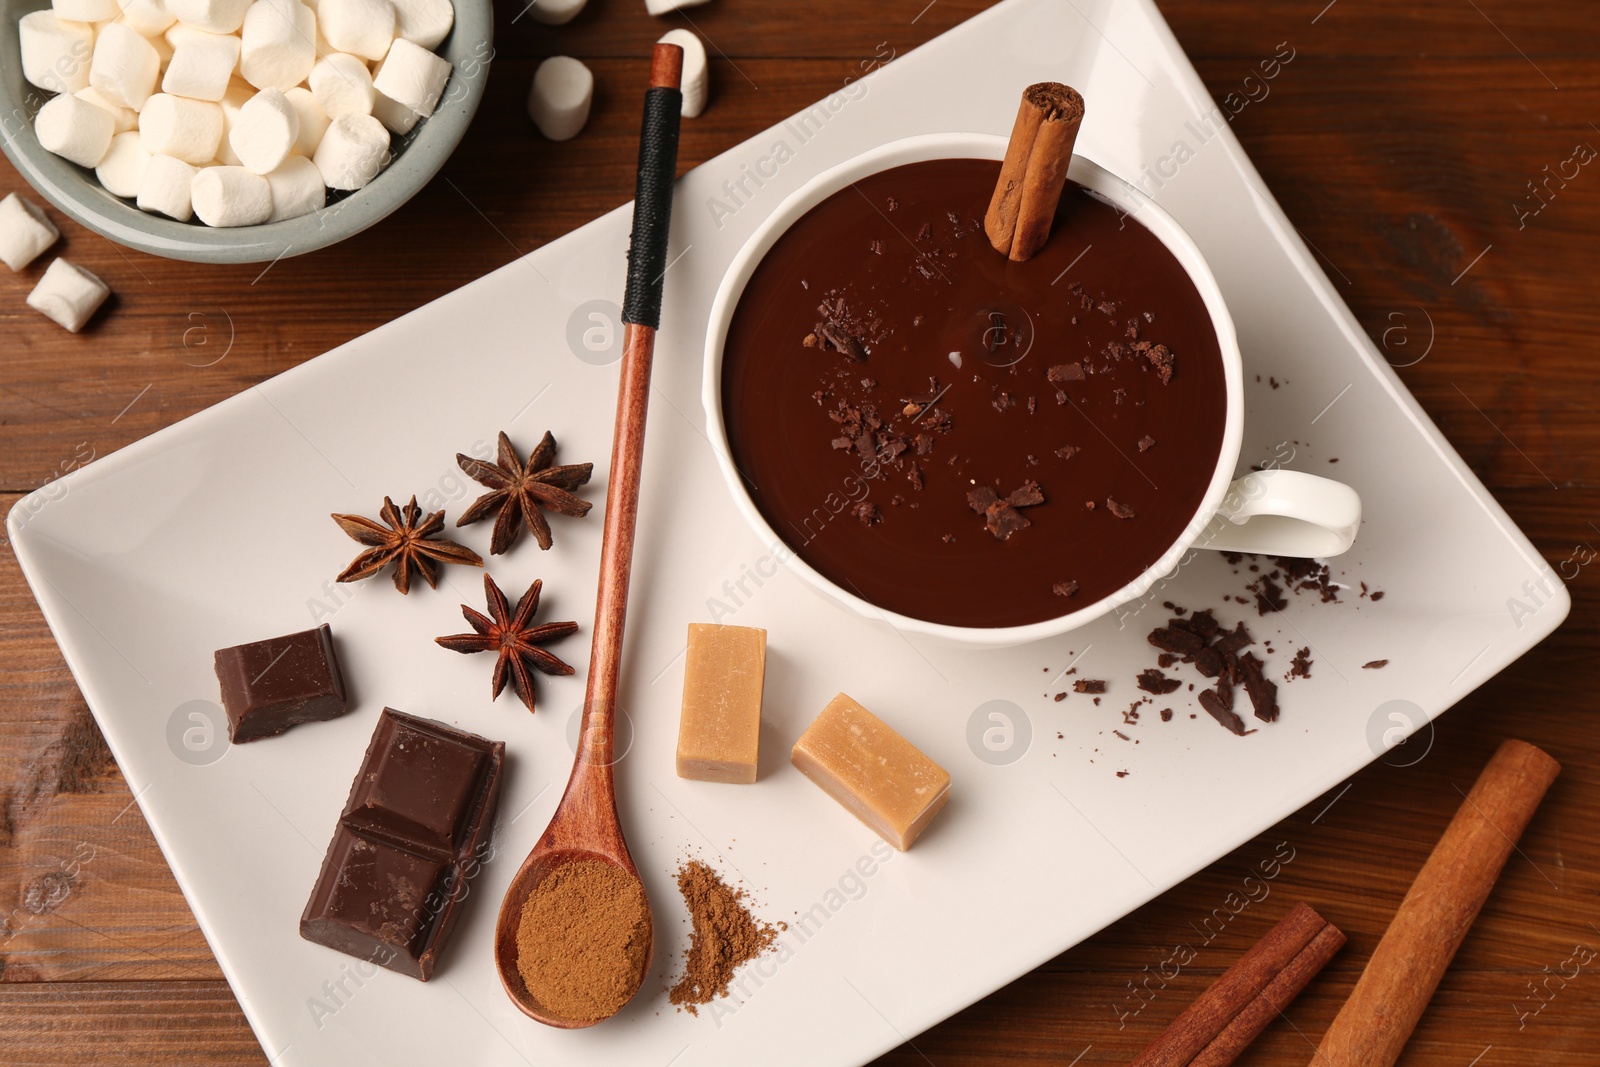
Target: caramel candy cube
882,778
720,728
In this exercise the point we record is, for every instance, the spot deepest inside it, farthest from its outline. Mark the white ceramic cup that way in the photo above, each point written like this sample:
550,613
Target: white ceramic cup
1274,512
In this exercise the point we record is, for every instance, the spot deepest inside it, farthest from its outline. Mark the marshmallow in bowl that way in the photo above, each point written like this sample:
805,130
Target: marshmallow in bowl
313,120
559,100
125,67
150,17
230,196
264,133
695,80
361,27
297,189
556,12
121,169
277,46
74,129
124,118
25,231
661,7
86,10
176,126
214,16
412,76
164,189
201,65
68,295
55,52
353,150
427,23
342,85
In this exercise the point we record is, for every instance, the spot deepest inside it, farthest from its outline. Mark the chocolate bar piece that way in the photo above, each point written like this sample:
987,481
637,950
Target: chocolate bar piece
269,686
412,835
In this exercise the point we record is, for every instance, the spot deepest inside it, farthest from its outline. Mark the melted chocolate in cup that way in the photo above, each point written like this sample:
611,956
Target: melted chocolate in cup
963,439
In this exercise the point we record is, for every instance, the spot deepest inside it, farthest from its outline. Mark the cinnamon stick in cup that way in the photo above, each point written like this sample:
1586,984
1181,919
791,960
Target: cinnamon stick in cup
1034,170
1432,921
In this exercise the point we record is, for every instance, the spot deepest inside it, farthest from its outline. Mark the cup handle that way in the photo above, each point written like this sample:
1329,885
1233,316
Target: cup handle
1285,513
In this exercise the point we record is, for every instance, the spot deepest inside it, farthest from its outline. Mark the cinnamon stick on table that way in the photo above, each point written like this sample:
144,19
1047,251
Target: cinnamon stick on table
1433,919
1238,1006
1035,169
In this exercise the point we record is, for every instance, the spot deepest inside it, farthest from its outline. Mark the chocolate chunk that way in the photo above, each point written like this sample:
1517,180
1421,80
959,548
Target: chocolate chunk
1269,596
269,686
1146,443
1224,691
1214,707
1089,685
868,513
1121,511
1067,451
1234,640
1300,666
1263,691
413,833
1159,356
1060,697
1171,639
1153,681
1209,662
1205,624
1026,496
1005,520
982,498
1067,588
1166,714
1374,664
1065,372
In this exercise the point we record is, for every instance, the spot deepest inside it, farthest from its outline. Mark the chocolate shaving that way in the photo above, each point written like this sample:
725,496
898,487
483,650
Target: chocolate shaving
1067,588
1065,372
1089,685
1160,358
1121,511
1374,664
1153,681
1214,707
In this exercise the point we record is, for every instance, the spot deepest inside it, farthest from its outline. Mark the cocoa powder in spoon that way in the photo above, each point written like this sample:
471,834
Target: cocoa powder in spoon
582,939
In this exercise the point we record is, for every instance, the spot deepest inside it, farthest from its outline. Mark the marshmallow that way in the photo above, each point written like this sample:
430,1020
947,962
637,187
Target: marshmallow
125,66
158,41
55,54
24,232
264,133
176,126
558,102
230,196
201,66
361,27
124,118
297,189
313,120
556,12
214,16
149,17
412,76
165,187
121,171
427,22
279,44
661,7
238,94
396,116
86,10
74,129
353,149
342,84
68,295
694,69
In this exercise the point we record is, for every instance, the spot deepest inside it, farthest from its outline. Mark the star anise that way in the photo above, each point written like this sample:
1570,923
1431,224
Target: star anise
521,490
403,542
514,637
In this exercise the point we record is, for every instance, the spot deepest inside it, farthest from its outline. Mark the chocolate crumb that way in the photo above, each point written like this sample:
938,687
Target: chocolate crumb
868,513
1067,588
1146,443
1067,451
1153,681
1122,774
1166,714
1065,372
1089,685
1061,696
1121,511
1374,664
1300,666
1269,596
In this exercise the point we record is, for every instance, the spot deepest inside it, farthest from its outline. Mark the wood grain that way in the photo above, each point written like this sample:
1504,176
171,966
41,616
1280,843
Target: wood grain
1399,141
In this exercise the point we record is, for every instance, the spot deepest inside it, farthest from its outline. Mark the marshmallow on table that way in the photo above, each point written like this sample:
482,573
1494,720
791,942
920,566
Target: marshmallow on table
215,16
559,101
555,12
230,196
68,295
125,66
165,188
201,65
278,45
238,94
361,27
264,133
694,69
24,232
427,22
342,84
86,10
412,76
74,129
297,189
313,120
149,17
124,118
352,151
121,171
661,7
55,53
176,126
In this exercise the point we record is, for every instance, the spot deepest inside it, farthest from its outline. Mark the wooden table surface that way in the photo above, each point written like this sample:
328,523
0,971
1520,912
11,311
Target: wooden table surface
1401,140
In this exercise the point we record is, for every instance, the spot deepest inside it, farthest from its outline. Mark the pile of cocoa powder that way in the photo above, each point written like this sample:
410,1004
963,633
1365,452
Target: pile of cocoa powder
725,936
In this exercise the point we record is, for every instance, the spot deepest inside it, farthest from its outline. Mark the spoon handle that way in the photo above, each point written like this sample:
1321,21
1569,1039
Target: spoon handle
647,266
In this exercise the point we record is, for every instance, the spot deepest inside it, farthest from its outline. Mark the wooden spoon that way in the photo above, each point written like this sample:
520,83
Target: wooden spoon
585,825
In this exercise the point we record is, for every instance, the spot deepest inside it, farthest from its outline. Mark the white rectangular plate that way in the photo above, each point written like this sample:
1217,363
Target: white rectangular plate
216,531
